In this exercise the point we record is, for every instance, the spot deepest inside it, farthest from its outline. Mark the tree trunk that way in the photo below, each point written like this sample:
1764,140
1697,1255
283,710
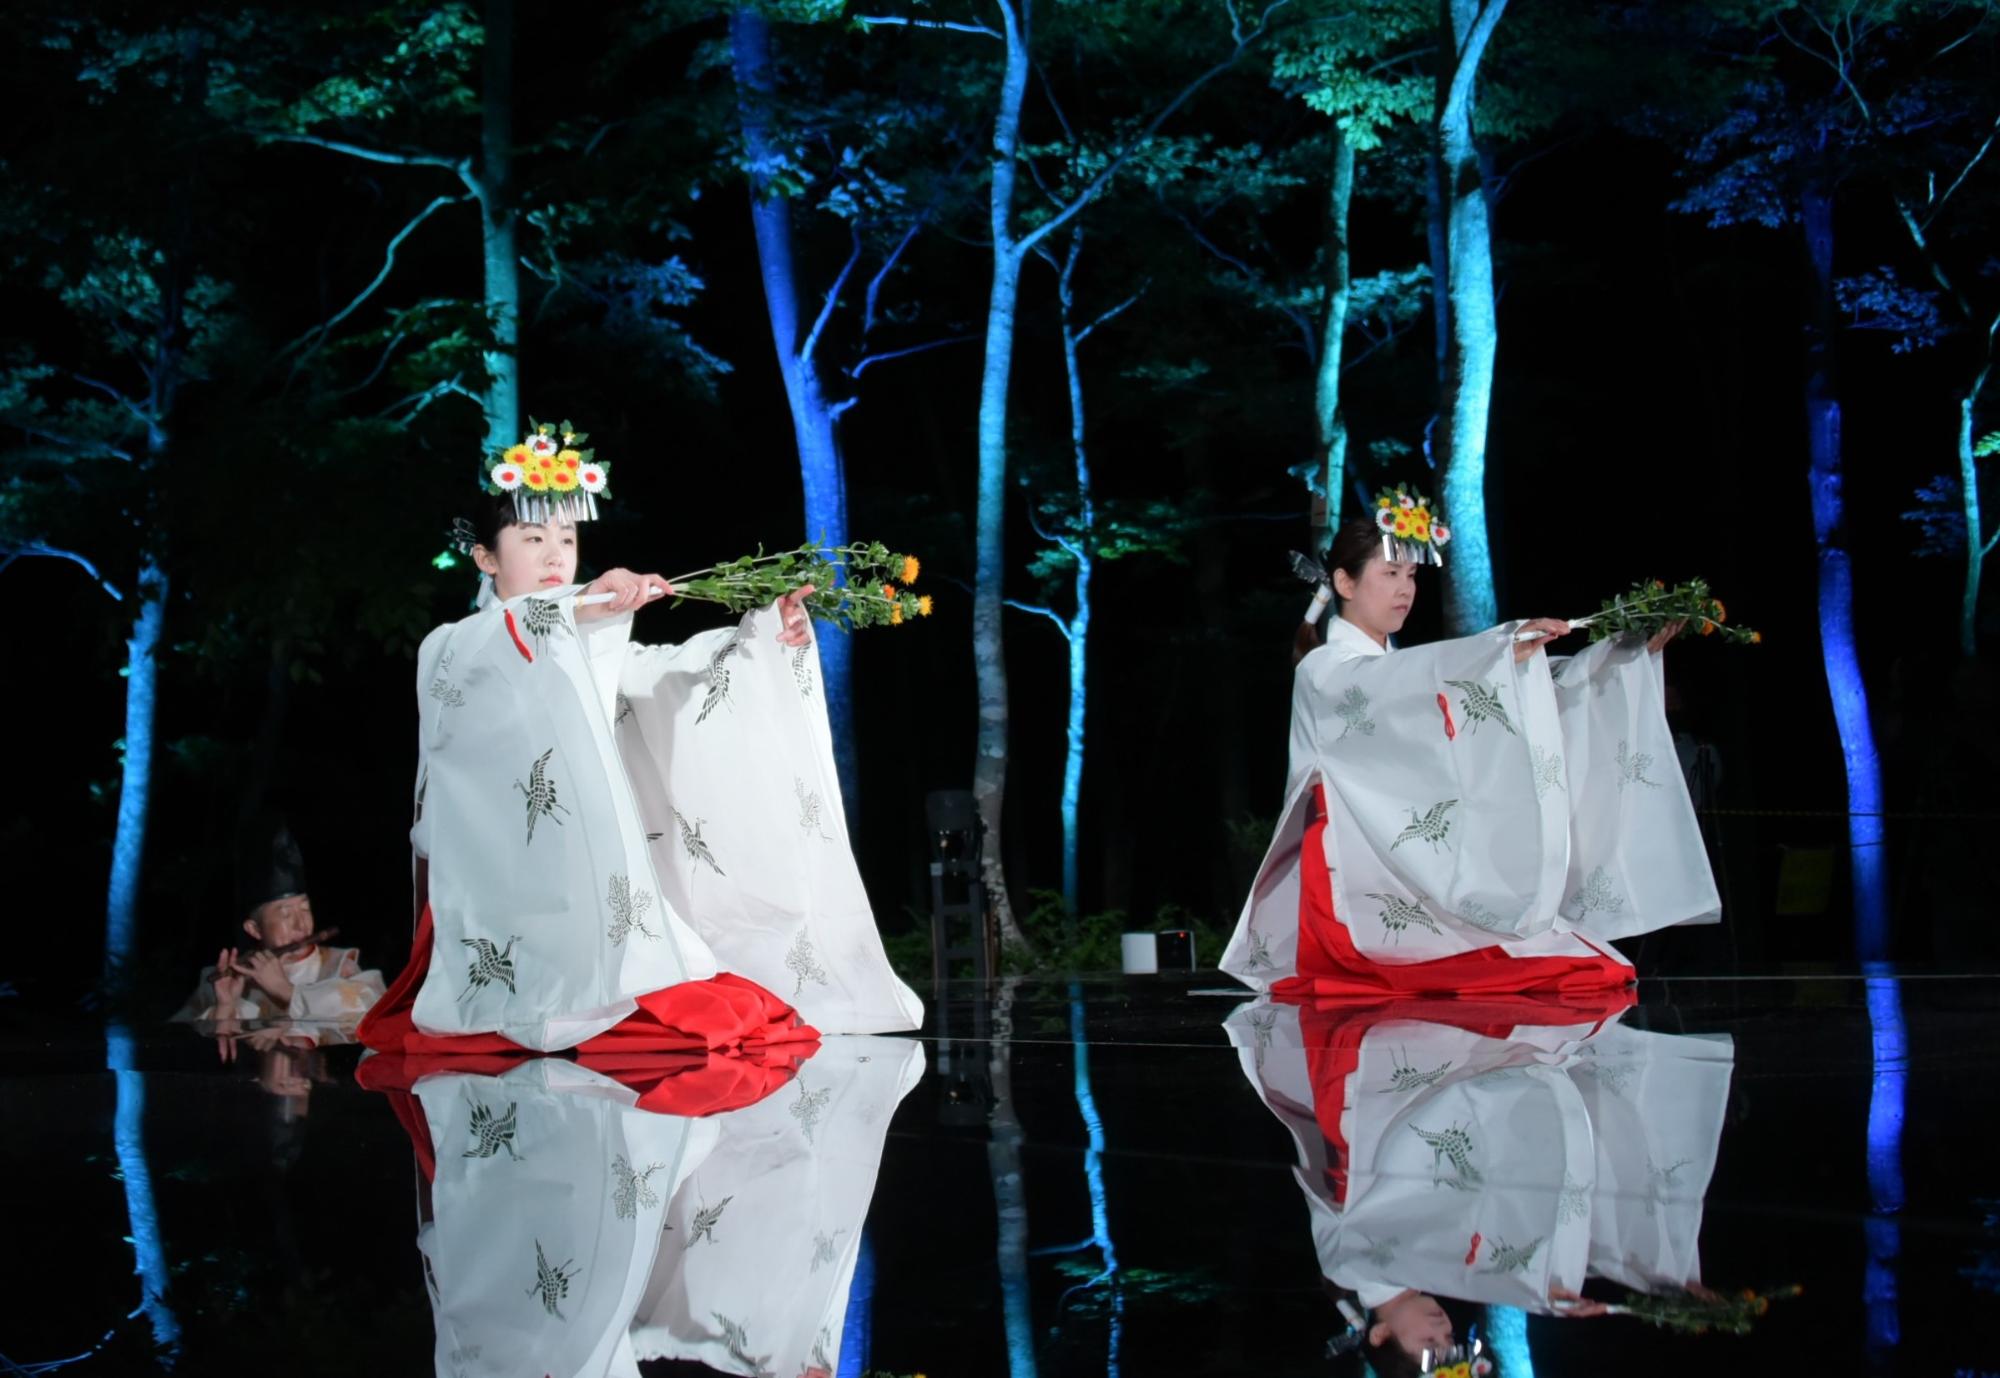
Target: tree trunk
1327,410
822,467
1010,1193
128,843
1085,555
501,399
142,1216
989,773
1836,588
1473,338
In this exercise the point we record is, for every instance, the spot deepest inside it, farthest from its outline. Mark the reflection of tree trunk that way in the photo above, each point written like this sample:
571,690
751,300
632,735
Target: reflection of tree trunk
822,467
1010,1196
1473,337
1327,410
1836,587
495,188
1881,1304
989,772
142,1215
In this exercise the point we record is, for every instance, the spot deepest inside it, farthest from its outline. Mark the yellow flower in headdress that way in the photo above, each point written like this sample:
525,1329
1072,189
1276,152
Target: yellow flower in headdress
535,479
562,480
569,459
519,455
1402,527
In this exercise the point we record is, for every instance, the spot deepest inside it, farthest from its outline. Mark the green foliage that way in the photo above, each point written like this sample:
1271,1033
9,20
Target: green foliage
1064,943
861,584
1650,606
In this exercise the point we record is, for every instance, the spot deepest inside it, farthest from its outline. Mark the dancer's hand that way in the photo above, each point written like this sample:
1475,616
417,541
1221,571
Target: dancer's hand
1547,629
1577,1307
1665,634
797,630
269,973
627,590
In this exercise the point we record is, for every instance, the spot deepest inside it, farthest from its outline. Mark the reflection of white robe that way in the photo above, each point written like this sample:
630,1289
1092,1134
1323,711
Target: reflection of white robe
1582,1154
546,1209
558,897
763,1288
1473,800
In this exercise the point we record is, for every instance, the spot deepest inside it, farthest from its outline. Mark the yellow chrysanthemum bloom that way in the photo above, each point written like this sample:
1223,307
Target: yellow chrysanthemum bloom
911,567
519,455
1402,527
562,480
924,606
569,459
1383,503
535,479
895,614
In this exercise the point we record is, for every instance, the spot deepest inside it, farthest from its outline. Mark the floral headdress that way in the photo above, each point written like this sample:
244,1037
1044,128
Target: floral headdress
550,475
1412,528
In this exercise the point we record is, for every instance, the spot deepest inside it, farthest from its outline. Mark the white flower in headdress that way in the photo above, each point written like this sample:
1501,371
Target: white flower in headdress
1386,519
591,478
507,477
542,444
1440,533
1406,501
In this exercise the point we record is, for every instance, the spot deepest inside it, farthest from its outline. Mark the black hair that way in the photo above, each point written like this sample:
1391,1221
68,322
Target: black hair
1354,545
493,514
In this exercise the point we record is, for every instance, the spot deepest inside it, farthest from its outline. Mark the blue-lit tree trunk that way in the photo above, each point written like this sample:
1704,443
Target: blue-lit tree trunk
1474,331
1010,1191
128,1137
135,779
1327,411
1890,1064
493,186
1836,586
815,418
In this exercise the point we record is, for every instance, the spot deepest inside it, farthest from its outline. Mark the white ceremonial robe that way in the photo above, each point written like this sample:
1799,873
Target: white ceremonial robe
761,1243
558,897
1473,800
1495,1169
546,1211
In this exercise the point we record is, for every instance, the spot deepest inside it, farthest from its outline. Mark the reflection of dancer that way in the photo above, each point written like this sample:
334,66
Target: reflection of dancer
1496,1151
555,903
1464,817
762,1240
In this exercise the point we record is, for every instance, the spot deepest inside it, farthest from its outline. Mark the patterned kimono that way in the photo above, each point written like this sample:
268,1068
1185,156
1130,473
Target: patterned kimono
329,985
1458,822
608,826
1492,1150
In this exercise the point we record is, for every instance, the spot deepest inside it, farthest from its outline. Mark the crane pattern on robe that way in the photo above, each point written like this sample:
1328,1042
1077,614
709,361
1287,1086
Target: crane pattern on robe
1502,1257
697,849
1481,703
491,1132
1432,826
799,959
540,792
823,1248
1451,1145
1548,767
736,1343
810,808
489,964
809,1107
802,670
552,1281
543,619
628,911
718,679
1632,767
1398,914
1407,1078
1594,896
632,1189
442,689
706,1218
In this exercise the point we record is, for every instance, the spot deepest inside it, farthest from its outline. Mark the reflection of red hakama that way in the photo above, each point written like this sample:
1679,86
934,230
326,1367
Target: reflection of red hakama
725,1014
1329,964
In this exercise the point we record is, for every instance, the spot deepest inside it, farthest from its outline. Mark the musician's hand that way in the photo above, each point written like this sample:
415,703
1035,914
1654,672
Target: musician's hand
1665,634
797,624
269,974
1547,629
627,590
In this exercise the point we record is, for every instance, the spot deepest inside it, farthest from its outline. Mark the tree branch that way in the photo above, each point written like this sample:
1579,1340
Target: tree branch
1041,611
882,274
411,158
1119,309
116,395
1117,164
871,359
832,297
1937,202
70,442
1466,64
29,549
905,22
319,333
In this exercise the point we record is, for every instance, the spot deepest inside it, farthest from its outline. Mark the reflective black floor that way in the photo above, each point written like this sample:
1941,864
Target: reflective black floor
1141,1176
